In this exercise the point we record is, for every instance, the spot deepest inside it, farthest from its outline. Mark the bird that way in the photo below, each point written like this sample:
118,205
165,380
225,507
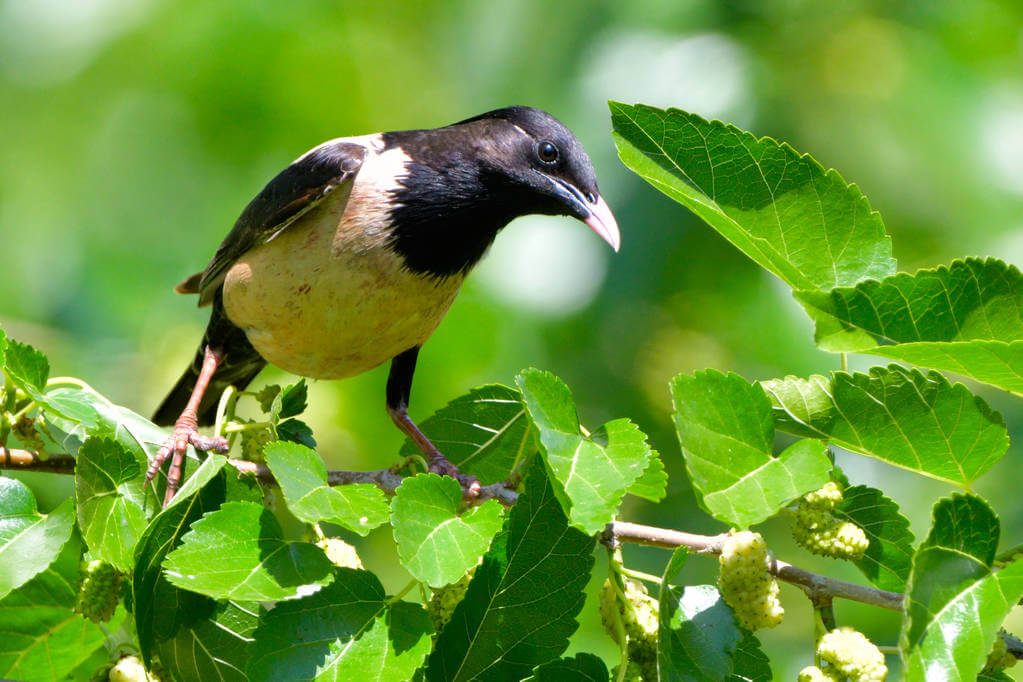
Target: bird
351,256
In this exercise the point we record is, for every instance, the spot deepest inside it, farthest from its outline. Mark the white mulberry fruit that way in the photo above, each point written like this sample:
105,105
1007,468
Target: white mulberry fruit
131,669
746,583
818,530
853,655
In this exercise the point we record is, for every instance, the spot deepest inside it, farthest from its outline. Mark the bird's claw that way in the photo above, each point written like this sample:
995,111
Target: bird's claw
217,444
177,443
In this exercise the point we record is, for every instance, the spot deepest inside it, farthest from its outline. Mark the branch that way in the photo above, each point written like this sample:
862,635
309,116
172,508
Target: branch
816,586
386,479
31,461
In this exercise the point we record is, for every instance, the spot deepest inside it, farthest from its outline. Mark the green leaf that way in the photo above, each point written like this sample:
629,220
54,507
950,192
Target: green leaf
955,603
296,431
780,208
920,423
214,644
580,668
95,415
726,430
29,541
27,368
195,637
966,524
3,349
436,543
991,362
43,638
294,399
971,299
749,663
679,557
523,600
87,413
652,485
84,671
697,634
965,318
267,396
161,609
239,552
280,403
484,433
111,501
887,561
346,631
360,507
593,470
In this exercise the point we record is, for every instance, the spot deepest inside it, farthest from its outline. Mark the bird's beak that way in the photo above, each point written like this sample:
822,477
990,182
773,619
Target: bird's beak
603,223
596,214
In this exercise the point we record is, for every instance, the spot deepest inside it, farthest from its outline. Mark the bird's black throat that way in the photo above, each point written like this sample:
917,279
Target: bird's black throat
448,208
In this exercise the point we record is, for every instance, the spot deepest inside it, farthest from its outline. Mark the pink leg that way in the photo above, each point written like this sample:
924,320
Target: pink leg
439,464
186,431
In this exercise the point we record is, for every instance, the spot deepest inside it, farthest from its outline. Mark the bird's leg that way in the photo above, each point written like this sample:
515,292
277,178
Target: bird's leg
186,430
399,389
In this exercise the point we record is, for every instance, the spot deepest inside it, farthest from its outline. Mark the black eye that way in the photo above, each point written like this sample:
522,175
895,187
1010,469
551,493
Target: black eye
590,197
547,152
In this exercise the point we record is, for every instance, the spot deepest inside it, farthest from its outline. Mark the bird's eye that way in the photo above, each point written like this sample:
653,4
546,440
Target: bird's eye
591,197
547,152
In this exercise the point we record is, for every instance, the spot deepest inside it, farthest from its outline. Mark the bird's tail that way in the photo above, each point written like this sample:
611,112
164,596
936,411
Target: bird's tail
240,365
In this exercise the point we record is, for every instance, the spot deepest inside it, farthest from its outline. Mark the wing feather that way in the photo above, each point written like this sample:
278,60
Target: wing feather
285,199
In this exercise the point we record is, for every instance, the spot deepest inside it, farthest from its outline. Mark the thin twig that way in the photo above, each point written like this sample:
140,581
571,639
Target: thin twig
815,585
31,461
385,479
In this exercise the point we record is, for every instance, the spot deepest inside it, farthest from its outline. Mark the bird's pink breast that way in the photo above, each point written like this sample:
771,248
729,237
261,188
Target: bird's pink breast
326,298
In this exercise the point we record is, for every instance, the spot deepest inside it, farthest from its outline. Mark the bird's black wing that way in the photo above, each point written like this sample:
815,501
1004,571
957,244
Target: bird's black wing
295,190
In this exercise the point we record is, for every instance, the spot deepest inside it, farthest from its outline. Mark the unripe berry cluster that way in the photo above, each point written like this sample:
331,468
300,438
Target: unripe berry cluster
746,583
25,428
340,553
817,529
254,440
99,592
847,656
444,600
639,618
633,673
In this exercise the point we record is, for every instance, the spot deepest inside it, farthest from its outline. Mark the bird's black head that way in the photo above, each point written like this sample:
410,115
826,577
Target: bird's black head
468,180
548,169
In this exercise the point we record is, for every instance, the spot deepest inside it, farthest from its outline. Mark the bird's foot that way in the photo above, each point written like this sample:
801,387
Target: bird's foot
439,464
185,433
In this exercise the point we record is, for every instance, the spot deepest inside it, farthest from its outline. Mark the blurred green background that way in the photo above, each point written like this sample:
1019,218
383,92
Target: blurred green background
134,131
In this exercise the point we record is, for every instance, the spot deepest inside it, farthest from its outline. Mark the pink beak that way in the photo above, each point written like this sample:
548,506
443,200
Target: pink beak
603,223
